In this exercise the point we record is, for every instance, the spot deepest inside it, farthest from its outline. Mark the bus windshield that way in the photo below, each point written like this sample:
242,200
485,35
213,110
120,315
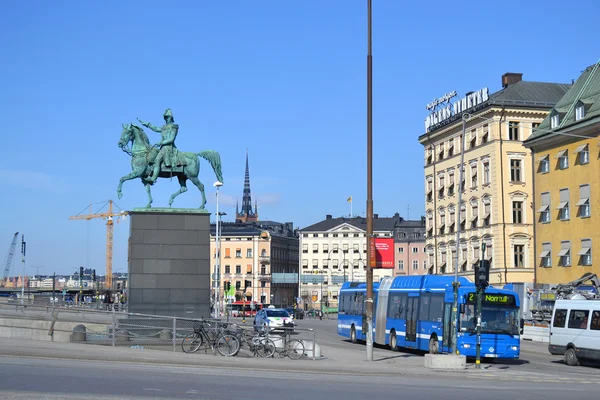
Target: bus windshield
493,320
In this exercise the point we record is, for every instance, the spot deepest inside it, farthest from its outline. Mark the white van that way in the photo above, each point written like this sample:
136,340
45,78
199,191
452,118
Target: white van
575,330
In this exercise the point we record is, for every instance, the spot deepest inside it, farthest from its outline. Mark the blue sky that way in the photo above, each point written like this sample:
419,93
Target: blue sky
284,79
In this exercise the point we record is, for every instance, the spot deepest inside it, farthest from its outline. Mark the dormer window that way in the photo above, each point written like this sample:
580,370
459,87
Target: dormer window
579,112
554,121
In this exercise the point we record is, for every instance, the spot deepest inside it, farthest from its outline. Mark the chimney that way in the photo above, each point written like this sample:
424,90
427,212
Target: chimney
328,216
423,219
510,78
375,216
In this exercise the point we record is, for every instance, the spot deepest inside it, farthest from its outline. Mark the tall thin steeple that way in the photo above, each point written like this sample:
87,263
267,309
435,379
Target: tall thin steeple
246,214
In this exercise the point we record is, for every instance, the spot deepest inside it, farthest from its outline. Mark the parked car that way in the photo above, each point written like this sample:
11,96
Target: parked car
273,318
297,313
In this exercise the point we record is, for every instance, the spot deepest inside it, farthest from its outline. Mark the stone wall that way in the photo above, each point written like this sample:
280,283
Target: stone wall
169,263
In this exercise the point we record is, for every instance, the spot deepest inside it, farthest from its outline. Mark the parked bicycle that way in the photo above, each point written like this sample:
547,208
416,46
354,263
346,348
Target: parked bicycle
292,348
258,343
207,334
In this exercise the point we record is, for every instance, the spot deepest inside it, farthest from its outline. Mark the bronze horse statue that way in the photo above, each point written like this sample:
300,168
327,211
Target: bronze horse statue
185,166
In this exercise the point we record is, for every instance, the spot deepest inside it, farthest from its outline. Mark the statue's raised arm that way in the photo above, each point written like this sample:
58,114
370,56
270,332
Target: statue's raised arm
150,126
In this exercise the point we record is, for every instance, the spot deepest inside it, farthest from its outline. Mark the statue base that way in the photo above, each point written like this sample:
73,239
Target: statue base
169,262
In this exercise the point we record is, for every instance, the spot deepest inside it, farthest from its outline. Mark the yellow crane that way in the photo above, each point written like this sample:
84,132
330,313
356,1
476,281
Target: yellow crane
109,215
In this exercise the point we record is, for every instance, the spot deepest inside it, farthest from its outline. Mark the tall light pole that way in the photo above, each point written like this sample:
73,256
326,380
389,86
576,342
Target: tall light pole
217,283
455,284
369,300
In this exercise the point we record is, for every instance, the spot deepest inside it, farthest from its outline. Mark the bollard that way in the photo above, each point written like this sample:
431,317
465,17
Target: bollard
79,334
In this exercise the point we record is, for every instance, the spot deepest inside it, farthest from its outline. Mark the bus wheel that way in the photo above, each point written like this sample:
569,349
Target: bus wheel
393,342
353,334
434,345
571,357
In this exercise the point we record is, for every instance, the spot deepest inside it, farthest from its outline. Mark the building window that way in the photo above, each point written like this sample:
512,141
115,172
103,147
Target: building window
563,159
463,217
451,184
416,235
545,208
238,269
238,253
441,189
401,250
545,164
546,255
450,147
228,269
534,126
248,253
513,130
315,263
400,264
554,120
441,153
473,139
474,176
305,263
586,252
474,215
487,211
415,250
486,135
517,212
315,248
519,255
565,254
584,201
486,172
515,170
325,247
304,248
452,221
563,206
415,265
583,154
579,112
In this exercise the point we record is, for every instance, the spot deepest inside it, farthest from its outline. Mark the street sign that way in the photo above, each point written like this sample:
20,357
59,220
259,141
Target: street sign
314,298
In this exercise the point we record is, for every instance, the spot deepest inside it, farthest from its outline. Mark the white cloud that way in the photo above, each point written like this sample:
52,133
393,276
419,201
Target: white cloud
31,180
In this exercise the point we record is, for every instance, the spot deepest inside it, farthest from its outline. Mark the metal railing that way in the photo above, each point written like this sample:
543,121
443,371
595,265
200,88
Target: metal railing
116,328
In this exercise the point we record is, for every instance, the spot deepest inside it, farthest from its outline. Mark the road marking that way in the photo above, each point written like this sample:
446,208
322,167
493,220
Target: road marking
192,392
153,389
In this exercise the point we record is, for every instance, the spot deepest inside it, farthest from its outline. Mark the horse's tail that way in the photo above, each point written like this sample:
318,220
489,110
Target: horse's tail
215,162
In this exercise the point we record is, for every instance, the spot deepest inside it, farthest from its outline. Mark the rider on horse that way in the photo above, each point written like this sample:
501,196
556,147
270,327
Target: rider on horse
168,150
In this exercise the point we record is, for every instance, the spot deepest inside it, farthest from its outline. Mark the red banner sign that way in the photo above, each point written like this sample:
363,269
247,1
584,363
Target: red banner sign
384,252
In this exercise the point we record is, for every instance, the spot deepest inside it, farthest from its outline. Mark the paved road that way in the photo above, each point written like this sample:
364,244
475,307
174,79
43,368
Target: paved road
535,357
32,378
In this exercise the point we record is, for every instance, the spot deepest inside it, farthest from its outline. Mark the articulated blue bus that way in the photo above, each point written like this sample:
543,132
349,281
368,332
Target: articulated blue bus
416,312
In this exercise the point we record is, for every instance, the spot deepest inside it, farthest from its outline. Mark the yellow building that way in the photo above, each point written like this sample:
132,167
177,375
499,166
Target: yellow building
567,184
496,198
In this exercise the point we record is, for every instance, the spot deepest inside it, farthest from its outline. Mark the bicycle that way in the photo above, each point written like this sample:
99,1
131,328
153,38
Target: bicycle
258,343
227,344
292,348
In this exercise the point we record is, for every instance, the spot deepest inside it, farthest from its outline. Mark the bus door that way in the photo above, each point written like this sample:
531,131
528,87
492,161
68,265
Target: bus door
412,307
448,318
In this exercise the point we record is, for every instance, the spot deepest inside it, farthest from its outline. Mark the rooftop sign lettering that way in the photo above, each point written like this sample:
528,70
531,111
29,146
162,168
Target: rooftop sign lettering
448,111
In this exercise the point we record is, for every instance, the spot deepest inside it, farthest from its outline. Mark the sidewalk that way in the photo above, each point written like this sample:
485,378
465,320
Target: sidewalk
339,361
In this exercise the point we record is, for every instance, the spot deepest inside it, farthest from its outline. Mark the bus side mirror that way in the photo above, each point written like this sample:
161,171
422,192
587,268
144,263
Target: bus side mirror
462,308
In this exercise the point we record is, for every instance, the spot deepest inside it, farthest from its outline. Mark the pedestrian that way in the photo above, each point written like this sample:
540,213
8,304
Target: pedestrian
321,315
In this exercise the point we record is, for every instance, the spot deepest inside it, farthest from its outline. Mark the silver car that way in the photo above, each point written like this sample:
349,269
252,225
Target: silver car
273,318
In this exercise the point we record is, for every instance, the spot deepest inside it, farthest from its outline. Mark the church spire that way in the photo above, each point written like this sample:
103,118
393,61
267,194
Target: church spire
246,214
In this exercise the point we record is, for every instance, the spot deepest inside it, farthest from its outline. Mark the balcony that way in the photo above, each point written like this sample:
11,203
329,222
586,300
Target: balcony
264,259
264,278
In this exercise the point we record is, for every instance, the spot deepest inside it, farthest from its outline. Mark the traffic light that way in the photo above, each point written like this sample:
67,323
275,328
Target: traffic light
94,275
225,286
118,285
482,274
81,271
247,284
238,285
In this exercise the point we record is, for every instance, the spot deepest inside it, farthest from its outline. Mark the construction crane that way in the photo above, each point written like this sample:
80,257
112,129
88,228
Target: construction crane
109,215
9,258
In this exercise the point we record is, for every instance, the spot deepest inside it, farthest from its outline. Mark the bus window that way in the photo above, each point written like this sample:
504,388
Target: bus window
436,308
425,299
578,319
560,317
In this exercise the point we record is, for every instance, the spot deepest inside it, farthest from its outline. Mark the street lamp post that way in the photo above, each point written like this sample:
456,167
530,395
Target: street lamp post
369,299
216,279
23,251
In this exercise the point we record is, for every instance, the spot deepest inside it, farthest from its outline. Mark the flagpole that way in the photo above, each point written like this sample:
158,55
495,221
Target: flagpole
350,207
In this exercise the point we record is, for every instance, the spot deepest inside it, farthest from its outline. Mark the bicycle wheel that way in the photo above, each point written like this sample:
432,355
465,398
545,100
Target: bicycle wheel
294,349
228,345
266,348
191,343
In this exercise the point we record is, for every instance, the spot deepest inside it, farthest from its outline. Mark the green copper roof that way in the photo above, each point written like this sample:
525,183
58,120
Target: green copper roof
585,91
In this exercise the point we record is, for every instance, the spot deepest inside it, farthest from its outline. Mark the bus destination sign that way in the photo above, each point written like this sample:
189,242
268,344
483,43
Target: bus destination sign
492,299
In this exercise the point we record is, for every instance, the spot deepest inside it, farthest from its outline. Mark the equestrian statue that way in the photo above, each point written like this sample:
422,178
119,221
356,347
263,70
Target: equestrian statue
163,160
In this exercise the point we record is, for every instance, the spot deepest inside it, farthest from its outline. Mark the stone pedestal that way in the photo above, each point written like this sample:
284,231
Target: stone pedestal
169,262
